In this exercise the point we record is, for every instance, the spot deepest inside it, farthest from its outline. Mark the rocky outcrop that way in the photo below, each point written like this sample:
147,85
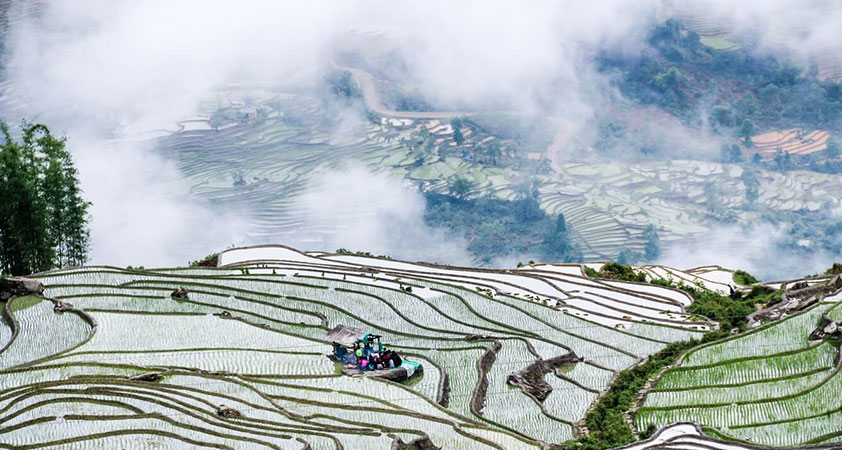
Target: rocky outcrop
802,291
422,443
484,364
179,294
368,269
798,285
18,286
480,337
444,390
531,380
827,329
150,377
228,412
60,306
797,297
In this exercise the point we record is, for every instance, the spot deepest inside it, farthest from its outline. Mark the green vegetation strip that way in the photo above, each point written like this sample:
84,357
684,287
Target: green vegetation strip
606,422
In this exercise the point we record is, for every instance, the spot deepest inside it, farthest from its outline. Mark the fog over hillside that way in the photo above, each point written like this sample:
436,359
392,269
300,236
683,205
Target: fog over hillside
807,29
112,73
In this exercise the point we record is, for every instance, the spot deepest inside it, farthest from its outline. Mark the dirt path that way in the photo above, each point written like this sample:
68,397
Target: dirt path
373,102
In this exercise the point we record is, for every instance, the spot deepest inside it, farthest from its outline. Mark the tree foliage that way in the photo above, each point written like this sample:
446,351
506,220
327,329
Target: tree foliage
606,422
680,74
832,150
731,153
751,183
497,228
744,278
459,187
835,269
43,218
458,137
652,248
729,312
616,271
746,131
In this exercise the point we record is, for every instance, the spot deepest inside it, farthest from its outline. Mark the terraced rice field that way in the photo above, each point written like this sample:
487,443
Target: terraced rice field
794,141
275,157
264,166
265,356
770,386
607,204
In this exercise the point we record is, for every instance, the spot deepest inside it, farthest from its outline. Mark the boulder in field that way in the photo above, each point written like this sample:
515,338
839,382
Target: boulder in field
827,329
149,377
18,286
531,380
60,306
228,412
798,285
422,443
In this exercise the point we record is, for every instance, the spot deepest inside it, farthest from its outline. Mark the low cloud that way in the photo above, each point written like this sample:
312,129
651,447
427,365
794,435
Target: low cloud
141,212
356,209
106,70
803,29
757,249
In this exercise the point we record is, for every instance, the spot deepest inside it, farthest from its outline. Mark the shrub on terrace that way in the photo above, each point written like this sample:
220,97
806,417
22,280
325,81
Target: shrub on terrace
744,278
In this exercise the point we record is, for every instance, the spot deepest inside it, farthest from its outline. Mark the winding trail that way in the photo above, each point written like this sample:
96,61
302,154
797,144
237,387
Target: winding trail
373,102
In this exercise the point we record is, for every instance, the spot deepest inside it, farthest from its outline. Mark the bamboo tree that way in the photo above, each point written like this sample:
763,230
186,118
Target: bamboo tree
43,217
25,239
652,249
67,211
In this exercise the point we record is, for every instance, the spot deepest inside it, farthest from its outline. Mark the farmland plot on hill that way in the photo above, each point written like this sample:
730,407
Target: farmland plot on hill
770,386
264,165
251,336
794,141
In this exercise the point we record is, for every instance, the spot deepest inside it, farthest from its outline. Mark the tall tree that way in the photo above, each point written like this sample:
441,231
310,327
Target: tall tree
560,224
494,153
751,183
24,239
731,153
652,249
459,187
43,218
625,257
746,131
832,148
458,137
557,244
67,211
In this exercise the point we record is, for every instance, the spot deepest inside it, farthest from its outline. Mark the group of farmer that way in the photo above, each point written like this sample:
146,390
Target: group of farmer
369,359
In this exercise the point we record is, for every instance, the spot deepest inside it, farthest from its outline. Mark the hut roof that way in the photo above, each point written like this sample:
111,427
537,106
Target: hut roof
345,335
